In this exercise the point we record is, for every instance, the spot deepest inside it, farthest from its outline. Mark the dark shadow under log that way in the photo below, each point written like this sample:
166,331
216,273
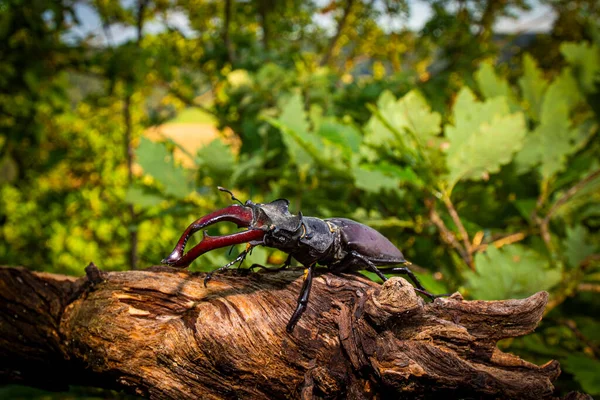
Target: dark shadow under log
160,333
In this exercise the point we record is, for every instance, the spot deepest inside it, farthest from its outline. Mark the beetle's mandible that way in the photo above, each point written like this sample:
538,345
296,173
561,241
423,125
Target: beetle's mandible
340,244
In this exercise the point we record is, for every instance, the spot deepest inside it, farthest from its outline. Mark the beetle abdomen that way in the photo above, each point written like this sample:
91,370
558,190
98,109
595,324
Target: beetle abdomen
368,242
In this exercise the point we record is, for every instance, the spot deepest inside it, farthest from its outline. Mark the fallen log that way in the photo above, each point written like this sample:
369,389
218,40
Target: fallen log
160,333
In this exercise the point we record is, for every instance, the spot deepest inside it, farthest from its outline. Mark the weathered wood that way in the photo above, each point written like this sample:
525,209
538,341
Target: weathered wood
161,334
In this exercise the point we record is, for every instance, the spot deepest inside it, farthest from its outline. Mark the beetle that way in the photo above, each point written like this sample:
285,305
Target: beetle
340,244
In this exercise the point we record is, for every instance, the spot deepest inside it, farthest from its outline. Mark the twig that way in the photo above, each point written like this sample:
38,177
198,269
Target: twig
446,234
589,260
509,239
588,287
540,200
545,222
461,229
570,193
569,323
477,239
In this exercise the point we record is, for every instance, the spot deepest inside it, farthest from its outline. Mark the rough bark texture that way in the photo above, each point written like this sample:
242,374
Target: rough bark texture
159,333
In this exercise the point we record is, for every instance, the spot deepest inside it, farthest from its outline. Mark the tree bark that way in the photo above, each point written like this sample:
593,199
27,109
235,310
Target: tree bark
161,334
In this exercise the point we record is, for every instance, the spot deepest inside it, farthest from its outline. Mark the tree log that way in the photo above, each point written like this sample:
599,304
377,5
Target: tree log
160,333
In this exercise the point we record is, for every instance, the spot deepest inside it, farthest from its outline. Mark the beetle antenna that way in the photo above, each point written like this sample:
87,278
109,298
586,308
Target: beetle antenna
222,189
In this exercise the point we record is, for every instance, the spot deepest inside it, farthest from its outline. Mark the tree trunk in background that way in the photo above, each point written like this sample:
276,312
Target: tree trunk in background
338,33
263,10
129,152
226,27
160,333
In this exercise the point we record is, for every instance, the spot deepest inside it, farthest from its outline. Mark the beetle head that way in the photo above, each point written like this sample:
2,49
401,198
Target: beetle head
264,222
275,216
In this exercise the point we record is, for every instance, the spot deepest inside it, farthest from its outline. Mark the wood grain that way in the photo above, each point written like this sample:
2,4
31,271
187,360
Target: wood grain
161,334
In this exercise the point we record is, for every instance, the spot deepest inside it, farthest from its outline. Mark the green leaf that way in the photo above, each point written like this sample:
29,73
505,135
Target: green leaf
511,272
304,147
250,167
158,162
404,175
373,181
293,124
525,207
533,85
563,90
490,84
141,197
217,160
585,370
577,246
588,195
549,145
555,138
585,59
485,136
407,123
293,115
589,327
345,137
431,284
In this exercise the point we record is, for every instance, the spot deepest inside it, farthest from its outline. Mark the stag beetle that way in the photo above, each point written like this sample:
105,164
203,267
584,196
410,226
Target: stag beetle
340,244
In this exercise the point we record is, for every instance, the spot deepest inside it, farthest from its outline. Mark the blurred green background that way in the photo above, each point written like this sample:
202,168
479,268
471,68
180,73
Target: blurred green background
465,131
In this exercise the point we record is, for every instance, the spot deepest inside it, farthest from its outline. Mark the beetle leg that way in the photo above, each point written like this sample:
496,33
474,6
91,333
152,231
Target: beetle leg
302,299
286,264
419,288
370,266
241,257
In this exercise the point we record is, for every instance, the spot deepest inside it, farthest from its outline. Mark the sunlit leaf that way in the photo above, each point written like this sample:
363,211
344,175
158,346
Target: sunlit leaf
346,137
485,136
585,59
533,85
555,138
293,122
239,78
158,162
490,84
405,175
407,123
373,181
306,148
